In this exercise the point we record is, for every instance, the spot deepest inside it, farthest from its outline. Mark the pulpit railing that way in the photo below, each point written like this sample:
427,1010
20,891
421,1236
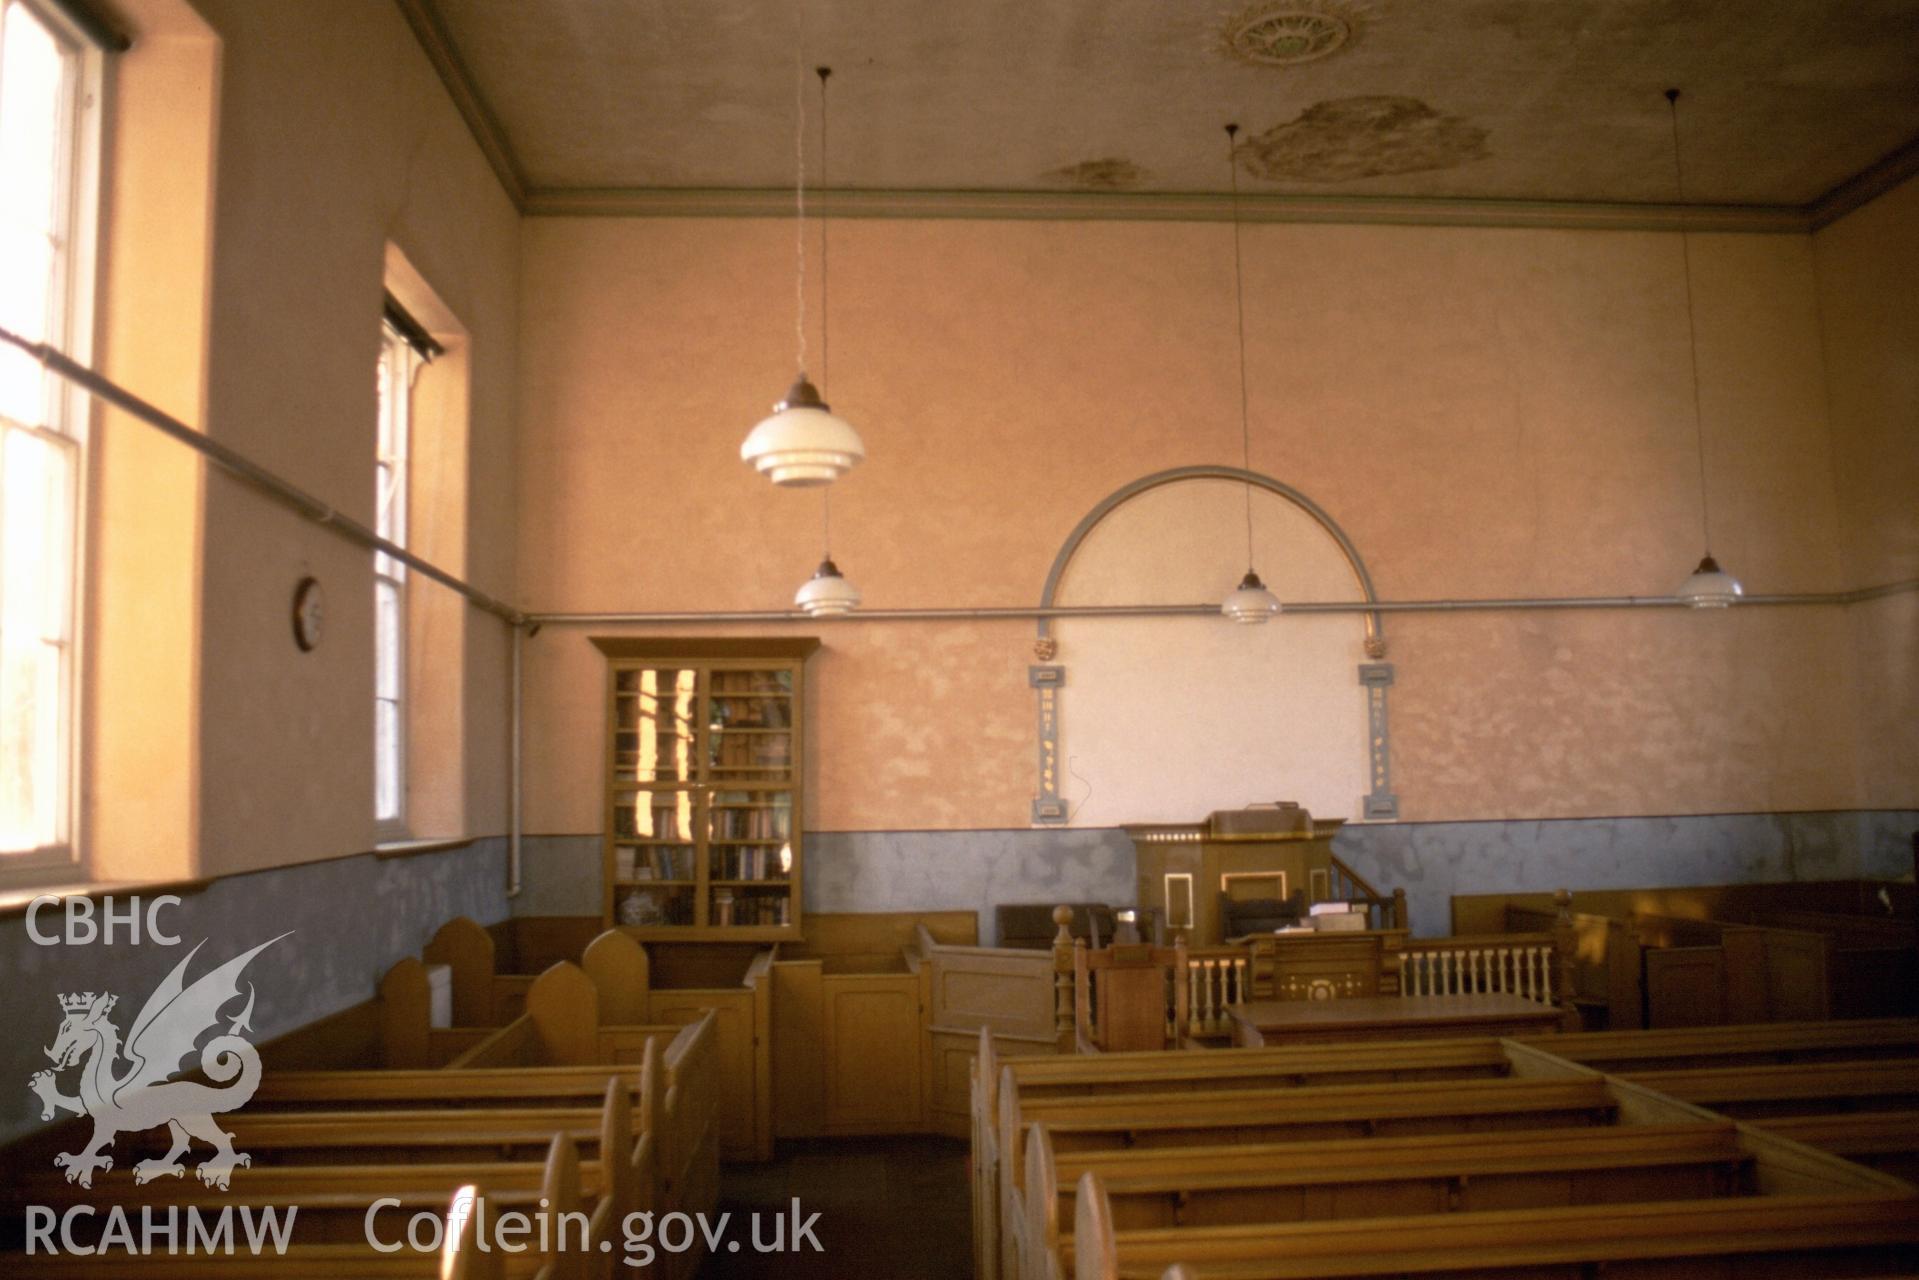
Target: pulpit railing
1215,978
1520,964
1383,910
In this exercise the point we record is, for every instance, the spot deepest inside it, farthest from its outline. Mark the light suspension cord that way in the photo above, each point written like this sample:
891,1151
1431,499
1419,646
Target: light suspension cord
1692,330
826,491
1239,306
799,182
825,332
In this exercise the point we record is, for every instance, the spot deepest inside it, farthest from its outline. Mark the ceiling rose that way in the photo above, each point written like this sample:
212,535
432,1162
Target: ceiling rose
1290,32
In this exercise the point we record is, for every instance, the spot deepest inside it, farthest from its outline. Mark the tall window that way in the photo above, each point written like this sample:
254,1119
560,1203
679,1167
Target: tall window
399,361
49,123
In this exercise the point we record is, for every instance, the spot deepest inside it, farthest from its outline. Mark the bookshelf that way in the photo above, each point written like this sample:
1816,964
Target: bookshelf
704,752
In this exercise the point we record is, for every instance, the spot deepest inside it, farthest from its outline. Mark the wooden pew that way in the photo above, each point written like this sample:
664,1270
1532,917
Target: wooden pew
1883,1140
1603,963
1006,992
1872,962
1795,1089
1358,1063
459,1258
1268,1116
1130,1074
1731,954
1870,1232
1707,972
1324,1181
482,996
333,1201
1374,1177
1796,1212
684,984
1198,1170
557,1051
1303,1112
1678,1048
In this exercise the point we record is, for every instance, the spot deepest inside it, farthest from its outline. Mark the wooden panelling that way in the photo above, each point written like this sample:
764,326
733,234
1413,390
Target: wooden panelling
1684,987
872,1053
1010,991
799,1057
739,1078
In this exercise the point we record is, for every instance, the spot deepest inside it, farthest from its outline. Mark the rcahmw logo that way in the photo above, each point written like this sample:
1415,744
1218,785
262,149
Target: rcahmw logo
142,1094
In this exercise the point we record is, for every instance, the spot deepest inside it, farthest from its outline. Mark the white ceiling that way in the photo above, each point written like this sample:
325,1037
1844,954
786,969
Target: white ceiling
1555,100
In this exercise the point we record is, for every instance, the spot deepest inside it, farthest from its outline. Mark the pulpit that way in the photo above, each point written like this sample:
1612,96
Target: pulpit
1190,874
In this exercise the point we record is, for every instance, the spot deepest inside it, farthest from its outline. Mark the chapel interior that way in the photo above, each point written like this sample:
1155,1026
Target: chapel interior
1098,639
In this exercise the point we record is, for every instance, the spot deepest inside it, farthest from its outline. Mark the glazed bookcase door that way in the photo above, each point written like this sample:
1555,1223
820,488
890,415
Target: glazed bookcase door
703,797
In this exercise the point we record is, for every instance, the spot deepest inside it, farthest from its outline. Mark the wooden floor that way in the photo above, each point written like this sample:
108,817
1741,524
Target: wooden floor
887,1206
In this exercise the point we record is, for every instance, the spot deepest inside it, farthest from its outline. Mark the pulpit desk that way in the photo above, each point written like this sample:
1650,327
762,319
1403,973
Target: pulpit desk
1291,1022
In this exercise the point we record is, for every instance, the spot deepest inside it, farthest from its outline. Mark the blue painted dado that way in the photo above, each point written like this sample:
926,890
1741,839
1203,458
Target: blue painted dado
979,870
1435,860
351,919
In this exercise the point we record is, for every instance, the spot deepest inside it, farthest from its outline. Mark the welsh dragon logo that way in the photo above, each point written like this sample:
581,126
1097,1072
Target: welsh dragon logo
143,1096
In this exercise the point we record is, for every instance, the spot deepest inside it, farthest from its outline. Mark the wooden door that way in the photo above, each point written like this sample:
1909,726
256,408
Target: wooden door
872,1032
738,1059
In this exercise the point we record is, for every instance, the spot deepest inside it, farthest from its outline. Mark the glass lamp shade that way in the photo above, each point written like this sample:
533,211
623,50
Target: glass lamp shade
827,593
1252,602
802,444
1709,587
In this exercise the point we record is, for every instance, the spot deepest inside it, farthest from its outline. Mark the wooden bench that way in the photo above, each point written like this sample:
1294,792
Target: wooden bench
1241,1182
1883,1140
416,1135
1133,1075
1872,961
459,1258
561,1021
1602,964
1801,1088
1869,1232
1323,1181
333,1201
483,995
1761,1044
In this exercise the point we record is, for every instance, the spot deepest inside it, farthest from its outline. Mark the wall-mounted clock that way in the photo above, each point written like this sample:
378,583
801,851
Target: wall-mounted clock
309,614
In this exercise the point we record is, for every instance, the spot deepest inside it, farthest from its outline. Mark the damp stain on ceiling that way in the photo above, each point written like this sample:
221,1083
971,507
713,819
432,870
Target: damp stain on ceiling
1536,100
1348,139
1108,174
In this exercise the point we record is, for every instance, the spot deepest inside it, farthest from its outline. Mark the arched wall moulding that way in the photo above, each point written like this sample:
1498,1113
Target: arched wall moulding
1048,678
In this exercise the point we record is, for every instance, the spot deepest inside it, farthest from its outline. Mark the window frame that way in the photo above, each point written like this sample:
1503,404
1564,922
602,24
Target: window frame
70,329
401,359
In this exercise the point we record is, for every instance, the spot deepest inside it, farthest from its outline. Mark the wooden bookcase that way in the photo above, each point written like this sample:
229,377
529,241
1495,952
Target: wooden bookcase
704,751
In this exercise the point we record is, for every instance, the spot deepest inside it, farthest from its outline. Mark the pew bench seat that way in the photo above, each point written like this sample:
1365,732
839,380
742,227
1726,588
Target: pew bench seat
1331,1111
1755,1092
1779,1235
1756,1044
1194,1185
1161,1072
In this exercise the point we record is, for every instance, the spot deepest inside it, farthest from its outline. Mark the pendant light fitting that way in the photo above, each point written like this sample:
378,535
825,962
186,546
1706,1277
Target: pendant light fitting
1708,586
827,593
803,443
1250,603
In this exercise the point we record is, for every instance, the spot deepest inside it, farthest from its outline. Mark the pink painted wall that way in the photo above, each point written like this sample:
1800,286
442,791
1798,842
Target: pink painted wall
1868,265
332,140
1486,412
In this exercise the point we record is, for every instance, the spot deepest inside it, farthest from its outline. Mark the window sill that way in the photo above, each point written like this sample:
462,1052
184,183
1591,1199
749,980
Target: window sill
15,900
411,848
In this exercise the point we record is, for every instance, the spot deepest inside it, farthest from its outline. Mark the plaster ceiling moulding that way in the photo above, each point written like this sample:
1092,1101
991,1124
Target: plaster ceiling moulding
1289,32
1346,139
1111,173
